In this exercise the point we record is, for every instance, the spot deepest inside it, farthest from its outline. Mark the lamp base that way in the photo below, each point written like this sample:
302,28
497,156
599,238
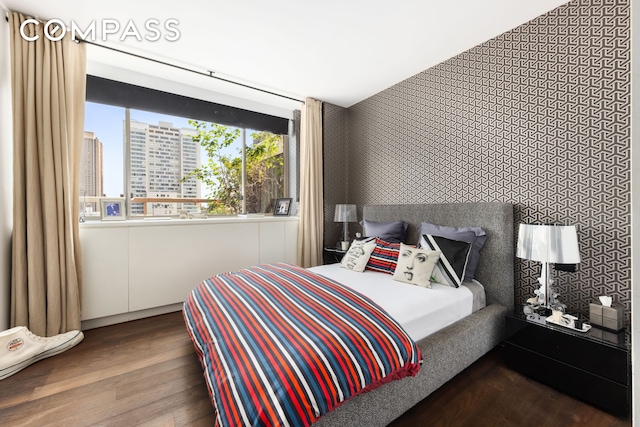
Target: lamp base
541,311
544,311
345,232
545,294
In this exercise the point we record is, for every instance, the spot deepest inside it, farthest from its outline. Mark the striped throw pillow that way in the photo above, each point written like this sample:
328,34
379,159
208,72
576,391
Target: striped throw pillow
453,259
384,257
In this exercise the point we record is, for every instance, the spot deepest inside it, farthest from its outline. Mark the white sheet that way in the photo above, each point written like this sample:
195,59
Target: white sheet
420,311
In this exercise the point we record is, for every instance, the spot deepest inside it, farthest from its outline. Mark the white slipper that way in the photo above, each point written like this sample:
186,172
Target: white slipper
19,348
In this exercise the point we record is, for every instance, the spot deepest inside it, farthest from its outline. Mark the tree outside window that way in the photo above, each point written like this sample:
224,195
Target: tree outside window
221,174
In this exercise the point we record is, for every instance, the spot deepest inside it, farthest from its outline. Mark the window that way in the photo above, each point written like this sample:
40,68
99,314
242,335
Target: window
155,160
101,169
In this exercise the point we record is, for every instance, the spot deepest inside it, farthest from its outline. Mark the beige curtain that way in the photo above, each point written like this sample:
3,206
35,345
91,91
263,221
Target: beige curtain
311,226
48,84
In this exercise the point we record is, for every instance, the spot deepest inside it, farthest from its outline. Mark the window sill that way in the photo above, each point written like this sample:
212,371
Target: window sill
169,222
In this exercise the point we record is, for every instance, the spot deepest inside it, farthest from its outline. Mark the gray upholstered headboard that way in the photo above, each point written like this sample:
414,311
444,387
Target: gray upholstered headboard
495,270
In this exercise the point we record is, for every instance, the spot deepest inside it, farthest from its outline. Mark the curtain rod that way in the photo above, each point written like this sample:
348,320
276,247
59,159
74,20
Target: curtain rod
209,74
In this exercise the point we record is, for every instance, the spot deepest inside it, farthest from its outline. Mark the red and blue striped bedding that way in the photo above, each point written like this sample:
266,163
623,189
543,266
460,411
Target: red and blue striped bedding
281,345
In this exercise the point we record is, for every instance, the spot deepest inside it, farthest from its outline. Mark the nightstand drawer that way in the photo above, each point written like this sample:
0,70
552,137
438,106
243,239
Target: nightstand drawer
593,389
606,361
588,365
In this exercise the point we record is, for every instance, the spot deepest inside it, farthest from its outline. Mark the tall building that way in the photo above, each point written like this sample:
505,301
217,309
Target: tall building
91,173
161,155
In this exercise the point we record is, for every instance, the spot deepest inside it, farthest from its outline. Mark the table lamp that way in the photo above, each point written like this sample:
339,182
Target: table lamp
345,213
548,244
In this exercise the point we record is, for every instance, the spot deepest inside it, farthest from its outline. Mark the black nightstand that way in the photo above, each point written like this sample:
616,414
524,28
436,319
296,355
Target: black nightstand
593,366
333,255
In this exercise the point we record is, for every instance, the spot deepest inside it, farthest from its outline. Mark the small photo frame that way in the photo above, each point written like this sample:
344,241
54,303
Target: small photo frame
112,209
282,206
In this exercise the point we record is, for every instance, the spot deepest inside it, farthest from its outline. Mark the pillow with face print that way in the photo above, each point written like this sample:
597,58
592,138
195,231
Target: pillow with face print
415,265
358,255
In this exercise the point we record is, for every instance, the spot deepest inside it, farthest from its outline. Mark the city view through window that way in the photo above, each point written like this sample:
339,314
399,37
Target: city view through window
156,160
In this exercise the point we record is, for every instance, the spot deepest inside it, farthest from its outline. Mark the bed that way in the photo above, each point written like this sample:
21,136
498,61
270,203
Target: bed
448,351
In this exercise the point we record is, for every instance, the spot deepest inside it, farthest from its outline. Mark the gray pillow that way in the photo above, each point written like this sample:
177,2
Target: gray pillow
392,232
474,235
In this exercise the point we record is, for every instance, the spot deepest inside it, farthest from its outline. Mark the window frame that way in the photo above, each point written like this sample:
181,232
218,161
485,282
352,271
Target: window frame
127,96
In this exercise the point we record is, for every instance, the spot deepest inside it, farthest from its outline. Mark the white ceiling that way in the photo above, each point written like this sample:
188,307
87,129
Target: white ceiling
338,51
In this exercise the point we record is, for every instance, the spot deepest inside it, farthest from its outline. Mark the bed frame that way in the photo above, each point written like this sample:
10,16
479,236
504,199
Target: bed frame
451,350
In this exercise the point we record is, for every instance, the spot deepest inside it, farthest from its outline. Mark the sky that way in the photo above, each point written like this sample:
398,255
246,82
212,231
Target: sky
107,123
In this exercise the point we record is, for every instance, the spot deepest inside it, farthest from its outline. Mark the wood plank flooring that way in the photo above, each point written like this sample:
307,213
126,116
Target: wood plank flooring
146,373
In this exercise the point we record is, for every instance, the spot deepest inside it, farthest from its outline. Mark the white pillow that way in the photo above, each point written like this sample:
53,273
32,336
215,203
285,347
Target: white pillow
415,265
358,255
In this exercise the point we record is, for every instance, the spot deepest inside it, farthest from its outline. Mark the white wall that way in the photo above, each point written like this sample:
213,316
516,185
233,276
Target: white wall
6,182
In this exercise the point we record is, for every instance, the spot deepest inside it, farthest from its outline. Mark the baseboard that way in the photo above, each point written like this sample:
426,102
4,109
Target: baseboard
126,317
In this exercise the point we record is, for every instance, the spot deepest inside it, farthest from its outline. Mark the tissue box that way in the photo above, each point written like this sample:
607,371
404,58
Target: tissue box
617,338
611,318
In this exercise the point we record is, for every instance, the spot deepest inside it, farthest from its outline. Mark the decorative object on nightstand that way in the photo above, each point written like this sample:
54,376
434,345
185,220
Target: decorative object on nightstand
345,213
607,316
567,321
547,244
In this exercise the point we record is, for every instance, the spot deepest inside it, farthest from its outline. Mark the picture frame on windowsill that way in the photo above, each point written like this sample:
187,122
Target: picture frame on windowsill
112,209
282,206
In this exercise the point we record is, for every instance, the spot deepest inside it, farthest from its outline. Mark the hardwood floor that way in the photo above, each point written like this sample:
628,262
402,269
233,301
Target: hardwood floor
146,373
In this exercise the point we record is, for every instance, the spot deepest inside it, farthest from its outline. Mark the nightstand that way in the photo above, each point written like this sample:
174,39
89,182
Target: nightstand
333,255
593,366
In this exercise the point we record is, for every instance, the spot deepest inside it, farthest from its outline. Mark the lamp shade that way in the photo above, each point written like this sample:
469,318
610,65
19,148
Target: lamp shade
555,244
345,213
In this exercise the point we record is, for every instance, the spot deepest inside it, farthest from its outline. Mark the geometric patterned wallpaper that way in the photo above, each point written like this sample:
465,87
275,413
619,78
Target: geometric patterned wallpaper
538,116
335,182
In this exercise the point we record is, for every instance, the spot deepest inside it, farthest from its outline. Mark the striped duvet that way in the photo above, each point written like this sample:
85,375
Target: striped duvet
280,345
